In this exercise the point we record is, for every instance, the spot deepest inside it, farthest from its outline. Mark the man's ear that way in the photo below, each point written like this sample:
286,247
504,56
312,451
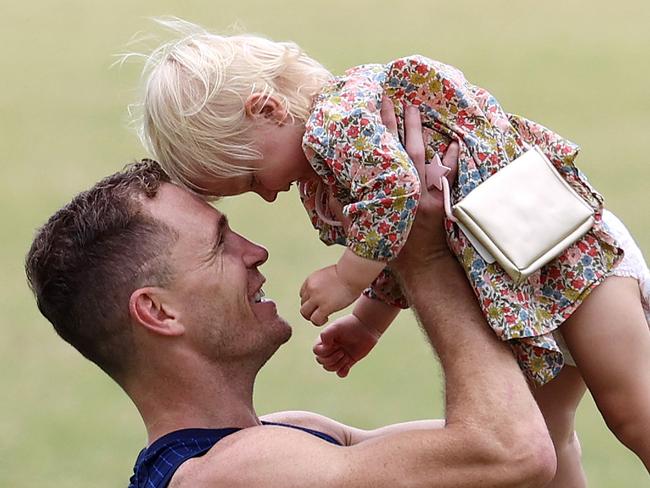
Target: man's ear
259,105
148,309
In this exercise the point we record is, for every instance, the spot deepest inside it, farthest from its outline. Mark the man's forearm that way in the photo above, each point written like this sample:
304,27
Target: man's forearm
479,369
487,398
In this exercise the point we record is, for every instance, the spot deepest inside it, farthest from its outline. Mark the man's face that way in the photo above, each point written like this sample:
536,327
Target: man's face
216,291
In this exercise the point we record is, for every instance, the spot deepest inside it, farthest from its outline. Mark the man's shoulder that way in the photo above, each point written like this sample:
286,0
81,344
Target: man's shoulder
255,454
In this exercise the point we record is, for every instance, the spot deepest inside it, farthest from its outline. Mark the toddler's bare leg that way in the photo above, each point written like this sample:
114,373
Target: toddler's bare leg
609,339
558,401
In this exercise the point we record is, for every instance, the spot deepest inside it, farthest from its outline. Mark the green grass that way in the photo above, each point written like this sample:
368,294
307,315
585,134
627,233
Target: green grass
580,67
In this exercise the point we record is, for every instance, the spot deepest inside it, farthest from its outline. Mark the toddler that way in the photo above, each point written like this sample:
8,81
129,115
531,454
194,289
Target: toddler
229,115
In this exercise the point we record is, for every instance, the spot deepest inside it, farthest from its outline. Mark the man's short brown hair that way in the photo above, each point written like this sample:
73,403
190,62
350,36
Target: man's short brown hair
89,257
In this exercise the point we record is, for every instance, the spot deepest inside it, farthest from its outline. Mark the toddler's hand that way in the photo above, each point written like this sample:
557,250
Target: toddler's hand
324,293
344,342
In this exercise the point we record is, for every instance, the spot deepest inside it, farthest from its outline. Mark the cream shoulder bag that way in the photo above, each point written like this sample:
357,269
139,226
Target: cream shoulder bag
523,216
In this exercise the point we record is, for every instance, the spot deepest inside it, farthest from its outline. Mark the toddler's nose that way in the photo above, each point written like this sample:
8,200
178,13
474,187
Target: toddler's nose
268,195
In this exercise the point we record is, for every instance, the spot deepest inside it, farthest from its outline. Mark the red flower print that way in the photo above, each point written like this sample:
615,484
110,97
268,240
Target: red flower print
554,272
578,284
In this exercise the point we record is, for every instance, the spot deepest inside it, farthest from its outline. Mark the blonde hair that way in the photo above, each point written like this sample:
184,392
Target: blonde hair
192,115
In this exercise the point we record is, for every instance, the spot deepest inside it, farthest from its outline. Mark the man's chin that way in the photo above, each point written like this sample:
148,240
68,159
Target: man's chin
266,312
289,332
285,330
281,338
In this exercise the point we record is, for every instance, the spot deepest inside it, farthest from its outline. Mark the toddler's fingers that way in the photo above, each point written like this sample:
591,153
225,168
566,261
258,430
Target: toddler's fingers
328,362
326,351
330,365
332,359
342,363
326,339
321,345
387,113
325,367
319,360
330,334
321,349
333,366
307,309
318,318
344,371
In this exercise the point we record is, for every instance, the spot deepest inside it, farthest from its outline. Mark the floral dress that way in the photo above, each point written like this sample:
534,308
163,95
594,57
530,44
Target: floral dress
365,168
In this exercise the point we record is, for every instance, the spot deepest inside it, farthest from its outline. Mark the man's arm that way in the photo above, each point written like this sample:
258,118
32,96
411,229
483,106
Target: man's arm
494,435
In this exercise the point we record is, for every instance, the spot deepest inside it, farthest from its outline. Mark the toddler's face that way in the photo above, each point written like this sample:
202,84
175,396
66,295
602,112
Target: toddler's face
283,160
282,163
256,181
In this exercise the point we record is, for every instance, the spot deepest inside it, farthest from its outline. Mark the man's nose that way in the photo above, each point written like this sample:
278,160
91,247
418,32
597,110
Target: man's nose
252,254
256,255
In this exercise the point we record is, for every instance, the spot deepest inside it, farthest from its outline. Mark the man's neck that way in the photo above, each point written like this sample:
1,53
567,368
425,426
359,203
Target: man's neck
201,397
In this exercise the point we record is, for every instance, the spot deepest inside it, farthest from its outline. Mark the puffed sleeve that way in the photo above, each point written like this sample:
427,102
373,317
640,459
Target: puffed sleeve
386,289
371,164
328,233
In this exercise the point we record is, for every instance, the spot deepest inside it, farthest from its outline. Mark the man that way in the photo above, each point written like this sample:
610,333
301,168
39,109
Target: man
149,282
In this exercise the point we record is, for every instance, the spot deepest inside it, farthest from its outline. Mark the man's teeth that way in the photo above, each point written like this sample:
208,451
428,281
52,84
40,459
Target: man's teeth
259,296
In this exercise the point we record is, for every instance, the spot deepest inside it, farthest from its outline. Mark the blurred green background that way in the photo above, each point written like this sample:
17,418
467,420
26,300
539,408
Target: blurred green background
582,68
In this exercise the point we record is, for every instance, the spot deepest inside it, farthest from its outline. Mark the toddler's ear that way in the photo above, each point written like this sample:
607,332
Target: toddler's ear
259,105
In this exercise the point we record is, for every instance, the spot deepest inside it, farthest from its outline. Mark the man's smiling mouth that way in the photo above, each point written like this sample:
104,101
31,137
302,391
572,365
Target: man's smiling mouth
259,296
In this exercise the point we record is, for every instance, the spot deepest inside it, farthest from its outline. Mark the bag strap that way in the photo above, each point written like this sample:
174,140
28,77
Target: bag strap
447,199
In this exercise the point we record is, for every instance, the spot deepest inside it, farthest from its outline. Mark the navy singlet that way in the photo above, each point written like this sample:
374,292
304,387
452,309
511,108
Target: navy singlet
157,463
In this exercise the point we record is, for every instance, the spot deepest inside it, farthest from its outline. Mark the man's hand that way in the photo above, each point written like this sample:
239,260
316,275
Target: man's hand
427,239
343,343
323,293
